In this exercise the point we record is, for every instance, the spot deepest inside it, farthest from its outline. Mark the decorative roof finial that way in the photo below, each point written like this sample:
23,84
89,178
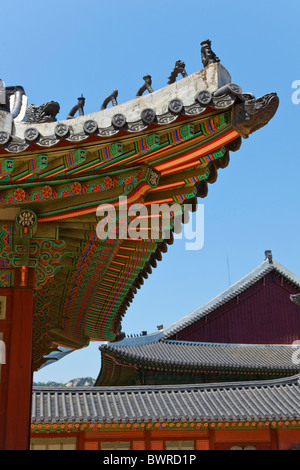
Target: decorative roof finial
207,55
268,254
2,93
111,98
295,298
78,107
179,68
146,86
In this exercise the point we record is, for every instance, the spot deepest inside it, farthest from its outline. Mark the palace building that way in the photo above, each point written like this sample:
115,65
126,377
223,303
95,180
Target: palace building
256,415
246,332
167,392
63,280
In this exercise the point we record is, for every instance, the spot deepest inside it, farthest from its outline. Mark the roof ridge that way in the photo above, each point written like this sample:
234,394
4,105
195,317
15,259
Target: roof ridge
249,279
218,355
133,343
242,345
207,386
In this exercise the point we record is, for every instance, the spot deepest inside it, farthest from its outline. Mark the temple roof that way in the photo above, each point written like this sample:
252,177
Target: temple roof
269,265
35,132
174,354
244,401
166,146
158,352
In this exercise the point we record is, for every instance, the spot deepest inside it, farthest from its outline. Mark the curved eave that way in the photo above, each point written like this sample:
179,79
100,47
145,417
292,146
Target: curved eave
193,159
192,358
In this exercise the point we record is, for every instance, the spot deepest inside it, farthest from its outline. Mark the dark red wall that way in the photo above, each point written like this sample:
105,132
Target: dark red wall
263,314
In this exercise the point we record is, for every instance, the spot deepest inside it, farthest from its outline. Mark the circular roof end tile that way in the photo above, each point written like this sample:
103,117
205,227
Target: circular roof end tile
118,121
176,106
61,130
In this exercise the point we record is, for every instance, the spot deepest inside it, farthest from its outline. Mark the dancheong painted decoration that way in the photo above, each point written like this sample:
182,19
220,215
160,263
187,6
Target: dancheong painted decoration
164,146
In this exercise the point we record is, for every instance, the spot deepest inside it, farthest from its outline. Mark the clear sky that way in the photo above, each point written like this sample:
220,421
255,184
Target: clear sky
59,49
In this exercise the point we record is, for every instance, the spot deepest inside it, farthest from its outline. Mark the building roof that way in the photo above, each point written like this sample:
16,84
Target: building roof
103,123
164,146
243,401
158,352
200,355
233,291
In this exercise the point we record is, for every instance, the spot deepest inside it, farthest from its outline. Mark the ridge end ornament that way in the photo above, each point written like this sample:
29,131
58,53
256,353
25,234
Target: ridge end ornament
45,113
295,298
253,114
13,100
207,55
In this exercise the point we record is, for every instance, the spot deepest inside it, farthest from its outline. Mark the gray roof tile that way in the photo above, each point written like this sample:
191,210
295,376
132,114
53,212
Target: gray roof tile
189,354
260,400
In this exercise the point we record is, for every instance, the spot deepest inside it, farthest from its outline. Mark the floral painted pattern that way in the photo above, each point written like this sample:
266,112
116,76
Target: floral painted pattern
75,188
19,194
107,182
47,192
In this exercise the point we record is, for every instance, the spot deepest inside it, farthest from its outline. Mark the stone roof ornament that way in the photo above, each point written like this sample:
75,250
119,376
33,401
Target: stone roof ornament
45,113
2,93
111,98
207,55
268,254
13,100
178,69
252,114
78,107
147,86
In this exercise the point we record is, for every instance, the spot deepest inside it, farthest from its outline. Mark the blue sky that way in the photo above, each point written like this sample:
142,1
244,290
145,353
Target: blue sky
58,50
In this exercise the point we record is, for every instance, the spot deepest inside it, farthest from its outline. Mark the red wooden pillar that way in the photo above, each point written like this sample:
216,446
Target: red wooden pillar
16,380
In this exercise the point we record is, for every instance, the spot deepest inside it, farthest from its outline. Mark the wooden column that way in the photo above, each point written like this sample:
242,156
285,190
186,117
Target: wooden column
16,390
274,439
5,326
